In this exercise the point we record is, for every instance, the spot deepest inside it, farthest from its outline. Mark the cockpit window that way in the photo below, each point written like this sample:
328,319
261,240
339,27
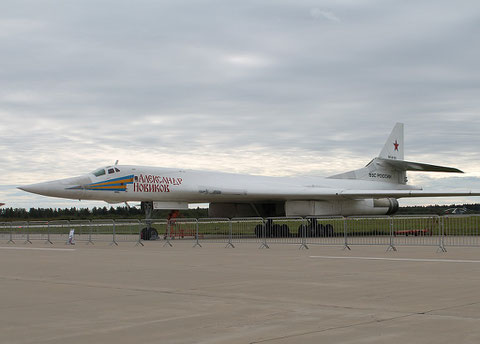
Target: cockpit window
99,172
111,170
117,170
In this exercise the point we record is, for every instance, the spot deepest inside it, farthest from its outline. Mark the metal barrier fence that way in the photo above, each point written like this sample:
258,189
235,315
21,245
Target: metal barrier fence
245,230
182,229
83,231
213,230
461,230
282,230
326,231
417,231
388,231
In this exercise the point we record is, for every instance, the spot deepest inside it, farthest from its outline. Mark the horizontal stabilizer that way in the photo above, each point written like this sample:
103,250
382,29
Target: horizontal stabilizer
417,166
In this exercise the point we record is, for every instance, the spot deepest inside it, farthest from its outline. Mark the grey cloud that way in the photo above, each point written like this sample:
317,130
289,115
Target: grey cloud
85,83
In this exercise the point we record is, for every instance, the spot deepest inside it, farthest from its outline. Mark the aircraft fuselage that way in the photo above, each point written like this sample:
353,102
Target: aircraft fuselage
142,183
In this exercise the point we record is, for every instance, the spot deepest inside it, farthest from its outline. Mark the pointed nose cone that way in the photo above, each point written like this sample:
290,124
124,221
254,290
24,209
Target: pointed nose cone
63,188
45,189
29,188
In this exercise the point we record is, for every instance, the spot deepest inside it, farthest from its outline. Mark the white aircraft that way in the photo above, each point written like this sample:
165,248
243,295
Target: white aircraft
371,190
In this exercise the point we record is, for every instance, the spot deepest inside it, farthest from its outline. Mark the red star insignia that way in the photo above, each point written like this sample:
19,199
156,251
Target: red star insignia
396,144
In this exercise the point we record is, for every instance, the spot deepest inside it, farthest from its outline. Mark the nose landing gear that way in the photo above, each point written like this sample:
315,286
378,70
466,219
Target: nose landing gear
148,233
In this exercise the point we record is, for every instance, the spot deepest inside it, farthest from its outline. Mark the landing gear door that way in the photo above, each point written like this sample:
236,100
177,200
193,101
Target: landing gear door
170,205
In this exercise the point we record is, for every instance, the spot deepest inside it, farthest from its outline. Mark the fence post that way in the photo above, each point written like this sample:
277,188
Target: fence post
48,241
391,246
441,234
28,234
229,244
303,235
11,236
167,242
68,235
114,242
90,233
196,235
264,234
139,241
345,237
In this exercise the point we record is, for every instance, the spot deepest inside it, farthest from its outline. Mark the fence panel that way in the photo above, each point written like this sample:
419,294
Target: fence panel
103,231
58,230
182,229
461,230
83,230
368,230
177,229
127,230
38,230
246,230
283,230
325,230
416,230
214,230
19,231
5,232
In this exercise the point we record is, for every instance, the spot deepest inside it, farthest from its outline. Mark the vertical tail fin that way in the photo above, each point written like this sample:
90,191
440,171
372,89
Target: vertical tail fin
390,166
378,169
393,148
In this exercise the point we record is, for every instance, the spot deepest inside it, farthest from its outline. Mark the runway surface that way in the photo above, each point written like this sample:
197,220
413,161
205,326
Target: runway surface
180,294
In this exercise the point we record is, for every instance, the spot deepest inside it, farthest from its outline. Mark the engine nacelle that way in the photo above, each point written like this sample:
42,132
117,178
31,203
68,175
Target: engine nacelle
383,206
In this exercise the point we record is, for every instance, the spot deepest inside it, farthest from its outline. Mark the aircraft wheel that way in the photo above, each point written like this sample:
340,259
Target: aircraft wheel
302,231
270,228
310,231
318,231
329,230
153,234
259,231
149,234
143,233
275,231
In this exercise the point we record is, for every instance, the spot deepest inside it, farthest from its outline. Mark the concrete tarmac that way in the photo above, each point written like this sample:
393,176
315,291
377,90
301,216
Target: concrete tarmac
213,294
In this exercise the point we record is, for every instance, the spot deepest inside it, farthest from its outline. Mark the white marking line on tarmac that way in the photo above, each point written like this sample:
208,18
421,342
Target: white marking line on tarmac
402,259
37,248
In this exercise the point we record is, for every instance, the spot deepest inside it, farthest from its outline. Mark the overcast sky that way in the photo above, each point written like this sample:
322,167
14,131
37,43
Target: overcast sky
263,87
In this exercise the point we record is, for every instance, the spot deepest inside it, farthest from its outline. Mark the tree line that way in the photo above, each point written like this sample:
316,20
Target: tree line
12,214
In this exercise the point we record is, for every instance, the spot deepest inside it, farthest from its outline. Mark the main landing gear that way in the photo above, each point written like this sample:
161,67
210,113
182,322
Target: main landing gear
148,233
315,230
312,229
271,230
